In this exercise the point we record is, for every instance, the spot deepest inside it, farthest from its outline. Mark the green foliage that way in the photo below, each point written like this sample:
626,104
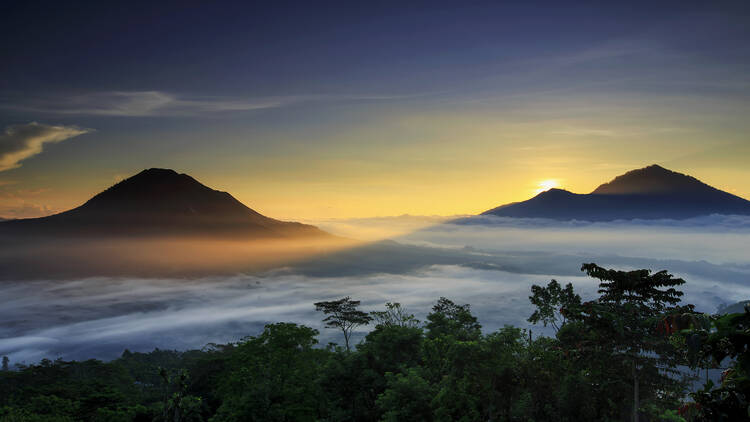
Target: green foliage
728,339
408,398
450,319
553,303
272,377
661,415
614,340
178,405
126,414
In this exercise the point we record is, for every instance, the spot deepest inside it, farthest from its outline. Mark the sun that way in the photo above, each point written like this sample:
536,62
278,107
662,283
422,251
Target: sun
546,185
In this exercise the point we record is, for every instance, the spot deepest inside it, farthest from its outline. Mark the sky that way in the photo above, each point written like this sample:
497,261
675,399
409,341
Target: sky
316,110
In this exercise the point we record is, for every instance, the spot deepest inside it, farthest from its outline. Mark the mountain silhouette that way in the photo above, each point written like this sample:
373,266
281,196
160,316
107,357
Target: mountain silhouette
652,192
160,202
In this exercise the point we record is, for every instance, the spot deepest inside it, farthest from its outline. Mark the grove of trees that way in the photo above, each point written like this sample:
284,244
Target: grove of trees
626,355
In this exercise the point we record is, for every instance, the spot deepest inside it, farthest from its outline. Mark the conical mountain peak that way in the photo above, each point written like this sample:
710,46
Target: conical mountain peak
162,202
651,180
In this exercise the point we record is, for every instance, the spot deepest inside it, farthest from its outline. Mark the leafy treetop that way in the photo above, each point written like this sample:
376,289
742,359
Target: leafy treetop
344,315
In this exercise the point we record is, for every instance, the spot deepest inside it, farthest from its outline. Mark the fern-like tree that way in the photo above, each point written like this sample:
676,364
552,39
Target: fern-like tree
344,315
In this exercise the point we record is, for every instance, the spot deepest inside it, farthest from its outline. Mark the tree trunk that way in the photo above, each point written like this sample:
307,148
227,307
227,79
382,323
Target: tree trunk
635,393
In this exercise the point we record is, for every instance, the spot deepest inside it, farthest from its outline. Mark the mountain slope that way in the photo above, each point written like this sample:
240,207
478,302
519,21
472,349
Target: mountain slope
157,202
652,192
655,179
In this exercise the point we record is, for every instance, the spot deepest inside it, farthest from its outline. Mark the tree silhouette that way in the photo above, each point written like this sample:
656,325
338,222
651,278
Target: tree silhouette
344,315
395,316
448,318
553,304
627,314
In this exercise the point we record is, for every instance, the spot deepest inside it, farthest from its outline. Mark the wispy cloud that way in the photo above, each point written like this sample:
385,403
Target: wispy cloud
141,103
585,132
19,142
159,103
22,209
595,132
22,203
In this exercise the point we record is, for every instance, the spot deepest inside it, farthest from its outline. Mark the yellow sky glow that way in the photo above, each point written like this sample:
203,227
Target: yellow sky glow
418,164
546,185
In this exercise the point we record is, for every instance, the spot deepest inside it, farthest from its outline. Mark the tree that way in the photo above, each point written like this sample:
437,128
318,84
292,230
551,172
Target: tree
553,304
728,338
5,363
353,381
179,406
407,398
394,316
618,333
447,318
273,377
626,315
344,315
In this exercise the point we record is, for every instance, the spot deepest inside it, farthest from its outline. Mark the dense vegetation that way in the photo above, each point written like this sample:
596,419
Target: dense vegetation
608,356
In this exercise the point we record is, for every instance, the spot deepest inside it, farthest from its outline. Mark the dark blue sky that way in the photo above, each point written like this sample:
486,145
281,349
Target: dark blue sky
272,48
369,103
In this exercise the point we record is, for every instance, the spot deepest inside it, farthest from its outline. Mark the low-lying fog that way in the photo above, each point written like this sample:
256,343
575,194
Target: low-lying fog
488,262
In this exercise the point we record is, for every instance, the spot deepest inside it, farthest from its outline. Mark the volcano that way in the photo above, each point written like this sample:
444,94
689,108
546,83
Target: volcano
649,193
160,202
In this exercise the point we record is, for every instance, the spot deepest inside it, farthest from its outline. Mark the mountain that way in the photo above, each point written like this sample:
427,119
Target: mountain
655,179
652,192
159,202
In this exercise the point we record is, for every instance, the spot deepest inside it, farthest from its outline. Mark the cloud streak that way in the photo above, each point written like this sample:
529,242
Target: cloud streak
19,142
159,103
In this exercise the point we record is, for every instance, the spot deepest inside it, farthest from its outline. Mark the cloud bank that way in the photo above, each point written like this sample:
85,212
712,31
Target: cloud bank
378,228
19,142
100,317
490,266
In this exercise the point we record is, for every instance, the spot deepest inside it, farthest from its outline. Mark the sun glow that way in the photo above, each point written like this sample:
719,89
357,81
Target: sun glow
546,185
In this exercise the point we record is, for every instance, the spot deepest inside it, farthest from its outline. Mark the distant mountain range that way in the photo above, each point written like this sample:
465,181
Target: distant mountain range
160,202
652,192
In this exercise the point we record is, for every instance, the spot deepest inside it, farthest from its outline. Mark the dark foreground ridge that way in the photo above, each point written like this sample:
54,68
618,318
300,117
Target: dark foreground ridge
652,192
158,202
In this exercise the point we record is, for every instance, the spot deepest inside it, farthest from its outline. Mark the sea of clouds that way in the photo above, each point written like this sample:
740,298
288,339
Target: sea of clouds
488,262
